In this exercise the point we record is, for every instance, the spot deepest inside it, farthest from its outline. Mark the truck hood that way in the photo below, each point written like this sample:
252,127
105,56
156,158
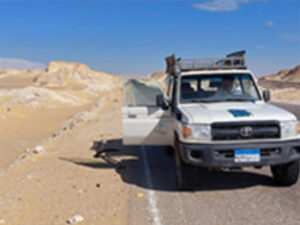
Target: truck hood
233,111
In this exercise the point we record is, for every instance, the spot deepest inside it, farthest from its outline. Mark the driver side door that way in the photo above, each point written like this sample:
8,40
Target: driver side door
145,123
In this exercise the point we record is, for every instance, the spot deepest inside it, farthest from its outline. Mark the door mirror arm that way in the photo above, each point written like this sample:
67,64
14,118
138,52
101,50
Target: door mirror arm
161,102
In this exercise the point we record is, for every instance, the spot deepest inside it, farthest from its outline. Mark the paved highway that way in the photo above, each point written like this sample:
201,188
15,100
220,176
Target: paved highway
240,197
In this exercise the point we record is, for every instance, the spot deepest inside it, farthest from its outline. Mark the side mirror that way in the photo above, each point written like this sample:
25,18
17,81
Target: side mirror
160,102
266,95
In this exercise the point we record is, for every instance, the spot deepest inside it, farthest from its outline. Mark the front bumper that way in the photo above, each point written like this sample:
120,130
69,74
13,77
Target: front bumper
222,155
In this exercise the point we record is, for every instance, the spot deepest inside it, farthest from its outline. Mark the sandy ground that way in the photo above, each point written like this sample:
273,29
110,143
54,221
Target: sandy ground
34,103
284,86
66,180
61,111
286,95
22,129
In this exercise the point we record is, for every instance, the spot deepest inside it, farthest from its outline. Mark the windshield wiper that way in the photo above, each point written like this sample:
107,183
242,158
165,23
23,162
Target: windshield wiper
197,101
221,100
205,101
194,101
239,100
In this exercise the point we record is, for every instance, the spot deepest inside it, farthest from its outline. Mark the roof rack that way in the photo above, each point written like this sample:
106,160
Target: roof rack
235,60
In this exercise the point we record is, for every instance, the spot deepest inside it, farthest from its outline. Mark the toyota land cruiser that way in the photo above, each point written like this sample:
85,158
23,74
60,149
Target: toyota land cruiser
213,115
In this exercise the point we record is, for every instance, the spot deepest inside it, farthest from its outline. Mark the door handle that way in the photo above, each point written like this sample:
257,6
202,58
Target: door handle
132,116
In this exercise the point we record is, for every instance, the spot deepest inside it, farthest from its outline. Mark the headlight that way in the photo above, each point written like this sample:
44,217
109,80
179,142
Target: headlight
289,129
298,128
196,132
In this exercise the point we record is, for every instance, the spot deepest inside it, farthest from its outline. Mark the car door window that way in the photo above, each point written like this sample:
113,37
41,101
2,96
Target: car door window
141,92
249,86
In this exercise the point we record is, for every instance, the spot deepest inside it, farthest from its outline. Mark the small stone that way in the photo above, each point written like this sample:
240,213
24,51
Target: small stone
2,221
38,149
55,134
75,219
23,156
80,191
139,195
72,125
98,185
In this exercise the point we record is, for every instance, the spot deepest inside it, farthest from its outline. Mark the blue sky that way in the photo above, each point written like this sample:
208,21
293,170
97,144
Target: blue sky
133,37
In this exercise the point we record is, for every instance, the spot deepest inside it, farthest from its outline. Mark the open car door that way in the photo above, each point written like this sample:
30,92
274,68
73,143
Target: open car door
144,123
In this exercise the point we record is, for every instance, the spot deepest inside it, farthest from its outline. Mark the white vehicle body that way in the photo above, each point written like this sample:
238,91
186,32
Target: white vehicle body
208,113
151,125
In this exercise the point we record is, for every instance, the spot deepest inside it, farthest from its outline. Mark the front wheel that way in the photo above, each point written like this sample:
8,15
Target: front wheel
286,174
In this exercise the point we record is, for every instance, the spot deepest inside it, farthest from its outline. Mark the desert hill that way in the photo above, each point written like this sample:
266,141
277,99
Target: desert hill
62,83
282,80
292,75
160,76
284,85
73,75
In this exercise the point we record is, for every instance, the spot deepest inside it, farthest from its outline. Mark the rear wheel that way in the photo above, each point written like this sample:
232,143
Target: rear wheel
286,174
184,171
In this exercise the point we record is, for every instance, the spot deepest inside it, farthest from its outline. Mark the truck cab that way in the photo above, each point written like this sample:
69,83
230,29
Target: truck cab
213,115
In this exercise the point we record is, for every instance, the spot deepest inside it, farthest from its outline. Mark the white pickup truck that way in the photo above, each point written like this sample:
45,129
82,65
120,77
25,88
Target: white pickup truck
213,115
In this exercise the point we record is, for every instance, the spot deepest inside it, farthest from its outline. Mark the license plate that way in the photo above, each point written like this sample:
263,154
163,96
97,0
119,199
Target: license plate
247,155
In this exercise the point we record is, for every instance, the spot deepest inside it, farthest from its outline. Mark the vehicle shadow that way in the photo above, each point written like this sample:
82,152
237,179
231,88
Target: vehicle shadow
129,162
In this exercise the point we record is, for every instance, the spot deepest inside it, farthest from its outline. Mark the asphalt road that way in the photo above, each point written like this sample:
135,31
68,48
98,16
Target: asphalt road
240,197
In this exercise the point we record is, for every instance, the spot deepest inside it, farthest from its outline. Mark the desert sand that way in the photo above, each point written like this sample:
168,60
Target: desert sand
66,180
49,122
33,103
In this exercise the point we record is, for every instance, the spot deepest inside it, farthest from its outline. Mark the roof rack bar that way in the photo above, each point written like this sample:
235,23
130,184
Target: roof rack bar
235,60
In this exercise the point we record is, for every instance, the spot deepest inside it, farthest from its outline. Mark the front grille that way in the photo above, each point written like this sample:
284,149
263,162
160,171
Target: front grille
245,130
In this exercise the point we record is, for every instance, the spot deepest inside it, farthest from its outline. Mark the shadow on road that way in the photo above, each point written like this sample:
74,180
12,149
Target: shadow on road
128,163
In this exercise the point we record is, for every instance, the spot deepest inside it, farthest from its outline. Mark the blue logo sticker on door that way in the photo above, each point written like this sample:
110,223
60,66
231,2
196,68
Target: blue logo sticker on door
239,112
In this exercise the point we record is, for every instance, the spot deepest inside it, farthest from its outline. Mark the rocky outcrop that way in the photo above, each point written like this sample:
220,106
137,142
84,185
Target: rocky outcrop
58,65
284,85
292,75
73,75
62,83
282,80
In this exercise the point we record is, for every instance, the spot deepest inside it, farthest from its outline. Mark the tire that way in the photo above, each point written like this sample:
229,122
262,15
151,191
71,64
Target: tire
184,172
286,174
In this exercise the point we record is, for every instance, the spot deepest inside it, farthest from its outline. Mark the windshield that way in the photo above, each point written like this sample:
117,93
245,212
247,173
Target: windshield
218,88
